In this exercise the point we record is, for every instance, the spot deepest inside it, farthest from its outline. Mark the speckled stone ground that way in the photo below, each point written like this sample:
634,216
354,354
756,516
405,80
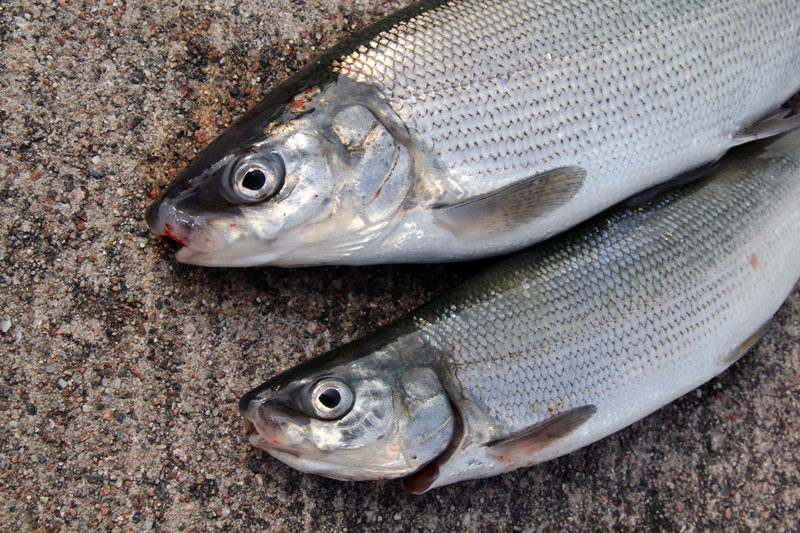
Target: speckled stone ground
121,368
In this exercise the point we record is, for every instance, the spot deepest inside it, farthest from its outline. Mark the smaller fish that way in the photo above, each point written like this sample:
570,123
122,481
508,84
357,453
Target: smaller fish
554,348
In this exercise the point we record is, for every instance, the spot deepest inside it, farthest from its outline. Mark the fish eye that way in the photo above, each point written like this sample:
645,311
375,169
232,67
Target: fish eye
331,398
255,178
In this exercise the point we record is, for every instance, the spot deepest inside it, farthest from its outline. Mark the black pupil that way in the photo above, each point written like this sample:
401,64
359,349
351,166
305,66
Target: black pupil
254,180
330,398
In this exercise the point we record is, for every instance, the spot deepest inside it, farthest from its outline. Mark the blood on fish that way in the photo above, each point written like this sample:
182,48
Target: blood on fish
170,238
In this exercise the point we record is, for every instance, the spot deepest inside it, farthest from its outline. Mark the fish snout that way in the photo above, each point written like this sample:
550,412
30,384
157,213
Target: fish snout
249,404
180,229
252,404
265,424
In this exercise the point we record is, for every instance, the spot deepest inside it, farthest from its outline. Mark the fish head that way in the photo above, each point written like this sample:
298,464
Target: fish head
307,176
357,421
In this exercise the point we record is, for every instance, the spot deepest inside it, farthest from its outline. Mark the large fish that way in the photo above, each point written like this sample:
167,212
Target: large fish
553,348
466,128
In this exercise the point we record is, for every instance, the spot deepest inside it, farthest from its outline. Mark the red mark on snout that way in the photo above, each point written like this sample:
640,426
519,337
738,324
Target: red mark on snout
268,436
169,233
754,260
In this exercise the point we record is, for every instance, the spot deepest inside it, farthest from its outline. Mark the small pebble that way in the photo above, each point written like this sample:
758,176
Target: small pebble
137,77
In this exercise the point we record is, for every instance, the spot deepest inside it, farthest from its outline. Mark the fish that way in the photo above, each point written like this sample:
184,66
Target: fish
461,129
555,347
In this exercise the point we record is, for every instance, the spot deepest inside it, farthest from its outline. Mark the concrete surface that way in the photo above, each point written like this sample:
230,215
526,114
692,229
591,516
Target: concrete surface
121,368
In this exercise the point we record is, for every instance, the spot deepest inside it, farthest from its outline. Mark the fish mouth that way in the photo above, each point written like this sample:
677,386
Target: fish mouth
265,432
171,243
262,433
183,231
251,432
255,438
263,424
268,428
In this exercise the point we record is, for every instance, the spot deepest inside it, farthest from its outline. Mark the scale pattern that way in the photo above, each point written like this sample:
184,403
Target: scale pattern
634,91
630,313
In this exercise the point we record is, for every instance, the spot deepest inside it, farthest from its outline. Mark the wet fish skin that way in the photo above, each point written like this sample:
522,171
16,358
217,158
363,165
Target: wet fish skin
564,344
456,130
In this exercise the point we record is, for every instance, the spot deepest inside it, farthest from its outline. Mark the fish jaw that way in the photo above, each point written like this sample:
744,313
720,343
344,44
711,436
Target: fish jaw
310,244
225,257
285,438
183,231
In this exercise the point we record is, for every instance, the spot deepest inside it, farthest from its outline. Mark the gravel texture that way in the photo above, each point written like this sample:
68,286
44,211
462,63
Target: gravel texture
121,368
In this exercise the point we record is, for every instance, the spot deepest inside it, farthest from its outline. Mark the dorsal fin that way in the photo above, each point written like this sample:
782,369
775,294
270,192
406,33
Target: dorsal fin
505,209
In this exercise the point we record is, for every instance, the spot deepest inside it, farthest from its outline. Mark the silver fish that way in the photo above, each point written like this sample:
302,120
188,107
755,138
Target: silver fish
556,347
467,128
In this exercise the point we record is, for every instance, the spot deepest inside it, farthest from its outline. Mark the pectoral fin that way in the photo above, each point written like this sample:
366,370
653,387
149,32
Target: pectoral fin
741,350
518,449
506,209
779,121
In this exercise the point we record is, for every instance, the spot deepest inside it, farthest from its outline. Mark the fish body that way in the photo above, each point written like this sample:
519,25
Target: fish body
462,129
556,347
